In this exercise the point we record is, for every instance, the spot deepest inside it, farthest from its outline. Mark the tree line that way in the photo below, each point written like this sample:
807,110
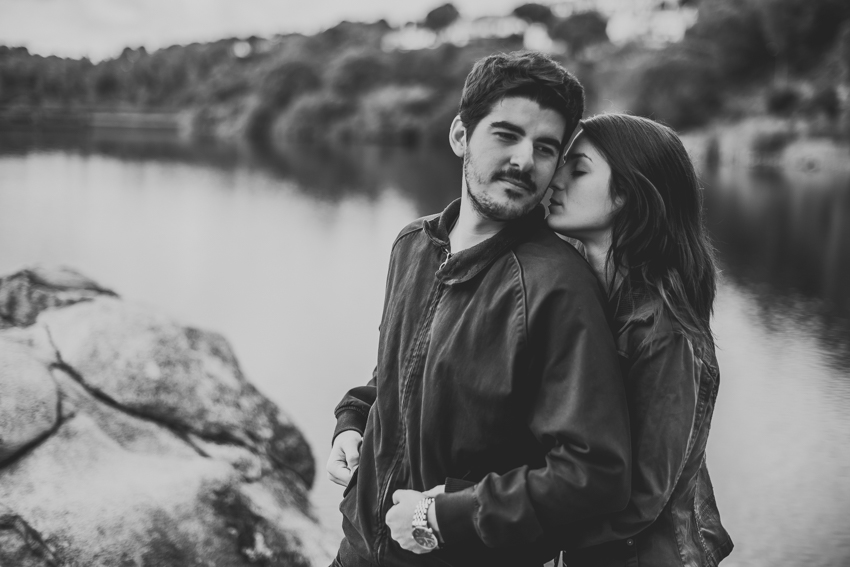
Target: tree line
787,57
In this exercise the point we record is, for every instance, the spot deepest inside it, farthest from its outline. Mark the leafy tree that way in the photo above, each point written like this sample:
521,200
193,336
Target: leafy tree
107,85
679,88
825,101
289,80
534,13
732,31
314,118
783,100
798,31
844,50
357,71
581,30
441,17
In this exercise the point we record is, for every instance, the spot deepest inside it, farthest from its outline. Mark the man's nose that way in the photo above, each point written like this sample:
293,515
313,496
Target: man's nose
523,156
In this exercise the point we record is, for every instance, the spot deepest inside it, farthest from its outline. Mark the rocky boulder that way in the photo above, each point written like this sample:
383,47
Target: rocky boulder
128,439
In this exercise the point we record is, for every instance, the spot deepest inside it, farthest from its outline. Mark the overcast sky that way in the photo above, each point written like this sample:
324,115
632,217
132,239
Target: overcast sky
102,28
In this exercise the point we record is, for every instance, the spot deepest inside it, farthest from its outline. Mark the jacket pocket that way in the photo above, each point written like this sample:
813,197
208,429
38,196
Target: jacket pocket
457,484
352,482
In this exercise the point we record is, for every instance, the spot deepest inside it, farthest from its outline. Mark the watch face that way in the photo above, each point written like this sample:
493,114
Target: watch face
425,538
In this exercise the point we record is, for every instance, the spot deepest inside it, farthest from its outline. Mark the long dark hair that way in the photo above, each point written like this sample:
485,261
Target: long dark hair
659,241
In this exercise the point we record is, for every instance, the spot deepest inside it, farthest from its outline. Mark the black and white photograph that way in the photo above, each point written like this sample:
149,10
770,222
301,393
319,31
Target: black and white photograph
418,284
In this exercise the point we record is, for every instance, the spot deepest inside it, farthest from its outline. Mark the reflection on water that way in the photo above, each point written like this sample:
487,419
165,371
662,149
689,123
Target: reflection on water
789,239
779,449
287,256
429,178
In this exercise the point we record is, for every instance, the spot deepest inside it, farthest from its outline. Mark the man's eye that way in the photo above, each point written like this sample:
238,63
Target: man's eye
506,136
546,150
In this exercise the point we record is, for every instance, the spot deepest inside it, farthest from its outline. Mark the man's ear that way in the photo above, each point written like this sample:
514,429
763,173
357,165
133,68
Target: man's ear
457,137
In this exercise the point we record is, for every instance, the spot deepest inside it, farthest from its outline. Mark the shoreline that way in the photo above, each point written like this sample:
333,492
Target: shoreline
131,119
760,142
782,145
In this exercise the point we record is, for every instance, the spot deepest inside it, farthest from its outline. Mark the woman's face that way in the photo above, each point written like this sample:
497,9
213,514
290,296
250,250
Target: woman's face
581,205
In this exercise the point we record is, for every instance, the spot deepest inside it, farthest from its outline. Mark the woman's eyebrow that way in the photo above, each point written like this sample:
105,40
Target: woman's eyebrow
574,156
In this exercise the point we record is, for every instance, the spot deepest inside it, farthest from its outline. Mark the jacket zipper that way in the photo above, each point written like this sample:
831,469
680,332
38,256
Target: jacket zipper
424,333
448,254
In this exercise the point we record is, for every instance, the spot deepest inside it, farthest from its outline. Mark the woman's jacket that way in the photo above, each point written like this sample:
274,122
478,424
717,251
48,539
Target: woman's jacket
671,518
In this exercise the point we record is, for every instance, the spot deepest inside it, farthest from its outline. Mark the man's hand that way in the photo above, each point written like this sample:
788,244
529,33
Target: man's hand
400,519
345,456
432,511
439,489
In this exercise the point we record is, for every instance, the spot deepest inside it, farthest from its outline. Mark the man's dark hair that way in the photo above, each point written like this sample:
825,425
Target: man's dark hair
527,74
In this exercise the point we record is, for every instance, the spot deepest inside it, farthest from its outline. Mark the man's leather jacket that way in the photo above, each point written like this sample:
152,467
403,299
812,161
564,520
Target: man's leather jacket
497,375
672,517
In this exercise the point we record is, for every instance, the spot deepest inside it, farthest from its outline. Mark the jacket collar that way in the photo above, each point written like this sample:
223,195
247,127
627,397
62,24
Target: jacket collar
468,263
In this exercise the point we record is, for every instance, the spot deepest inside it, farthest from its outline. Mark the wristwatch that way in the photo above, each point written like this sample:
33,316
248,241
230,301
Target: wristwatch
422,534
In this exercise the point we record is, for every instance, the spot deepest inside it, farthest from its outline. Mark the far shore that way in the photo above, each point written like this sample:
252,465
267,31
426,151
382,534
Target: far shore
53,117
758,142
768,143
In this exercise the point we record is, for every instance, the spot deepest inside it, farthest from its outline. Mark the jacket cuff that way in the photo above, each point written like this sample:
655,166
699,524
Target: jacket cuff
347,420
456,513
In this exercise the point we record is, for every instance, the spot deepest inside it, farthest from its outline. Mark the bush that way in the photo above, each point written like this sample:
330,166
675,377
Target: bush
782,100
801,31
844,50
732,30
441,17
392,114
769,144
825,101
357,71
581,30
534,13
288,81
314,118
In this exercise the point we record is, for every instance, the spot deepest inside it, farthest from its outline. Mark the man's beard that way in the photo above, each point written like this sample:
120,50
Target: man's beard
483,203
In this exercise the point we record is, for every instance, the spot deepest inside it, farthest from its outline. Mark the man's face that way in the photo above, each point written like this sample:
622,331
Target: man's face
510,158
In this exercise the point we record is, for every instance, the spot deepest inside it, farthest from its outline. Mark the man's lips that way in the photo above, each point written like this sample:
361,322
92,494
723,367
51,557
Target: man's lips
516,183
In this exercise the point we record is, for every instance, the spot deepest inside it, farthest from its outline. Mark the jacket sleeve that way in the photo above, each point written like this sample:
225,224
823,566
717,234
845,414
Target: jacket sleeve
663,388
353,410
579,413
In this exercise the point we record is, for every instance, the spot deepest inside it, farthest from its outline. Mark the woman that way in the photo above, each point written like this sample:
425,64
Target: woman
628,192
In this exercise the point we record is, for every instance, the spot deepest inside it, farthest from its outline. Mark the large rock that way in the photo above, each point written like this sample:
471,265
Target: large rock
28,399
127,439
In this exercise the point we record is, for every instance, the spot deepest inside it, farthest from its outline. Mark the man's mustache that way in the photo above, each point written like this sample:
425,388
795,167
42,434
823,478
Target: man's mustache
522,178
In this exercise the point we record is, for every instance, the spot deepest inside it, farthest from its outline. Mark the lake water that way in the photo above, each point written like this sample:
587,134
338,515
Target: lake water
286,256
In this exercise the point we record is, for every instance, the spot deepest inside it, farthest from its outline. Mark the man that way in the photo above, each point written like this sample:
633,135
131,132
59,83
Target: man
497,386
